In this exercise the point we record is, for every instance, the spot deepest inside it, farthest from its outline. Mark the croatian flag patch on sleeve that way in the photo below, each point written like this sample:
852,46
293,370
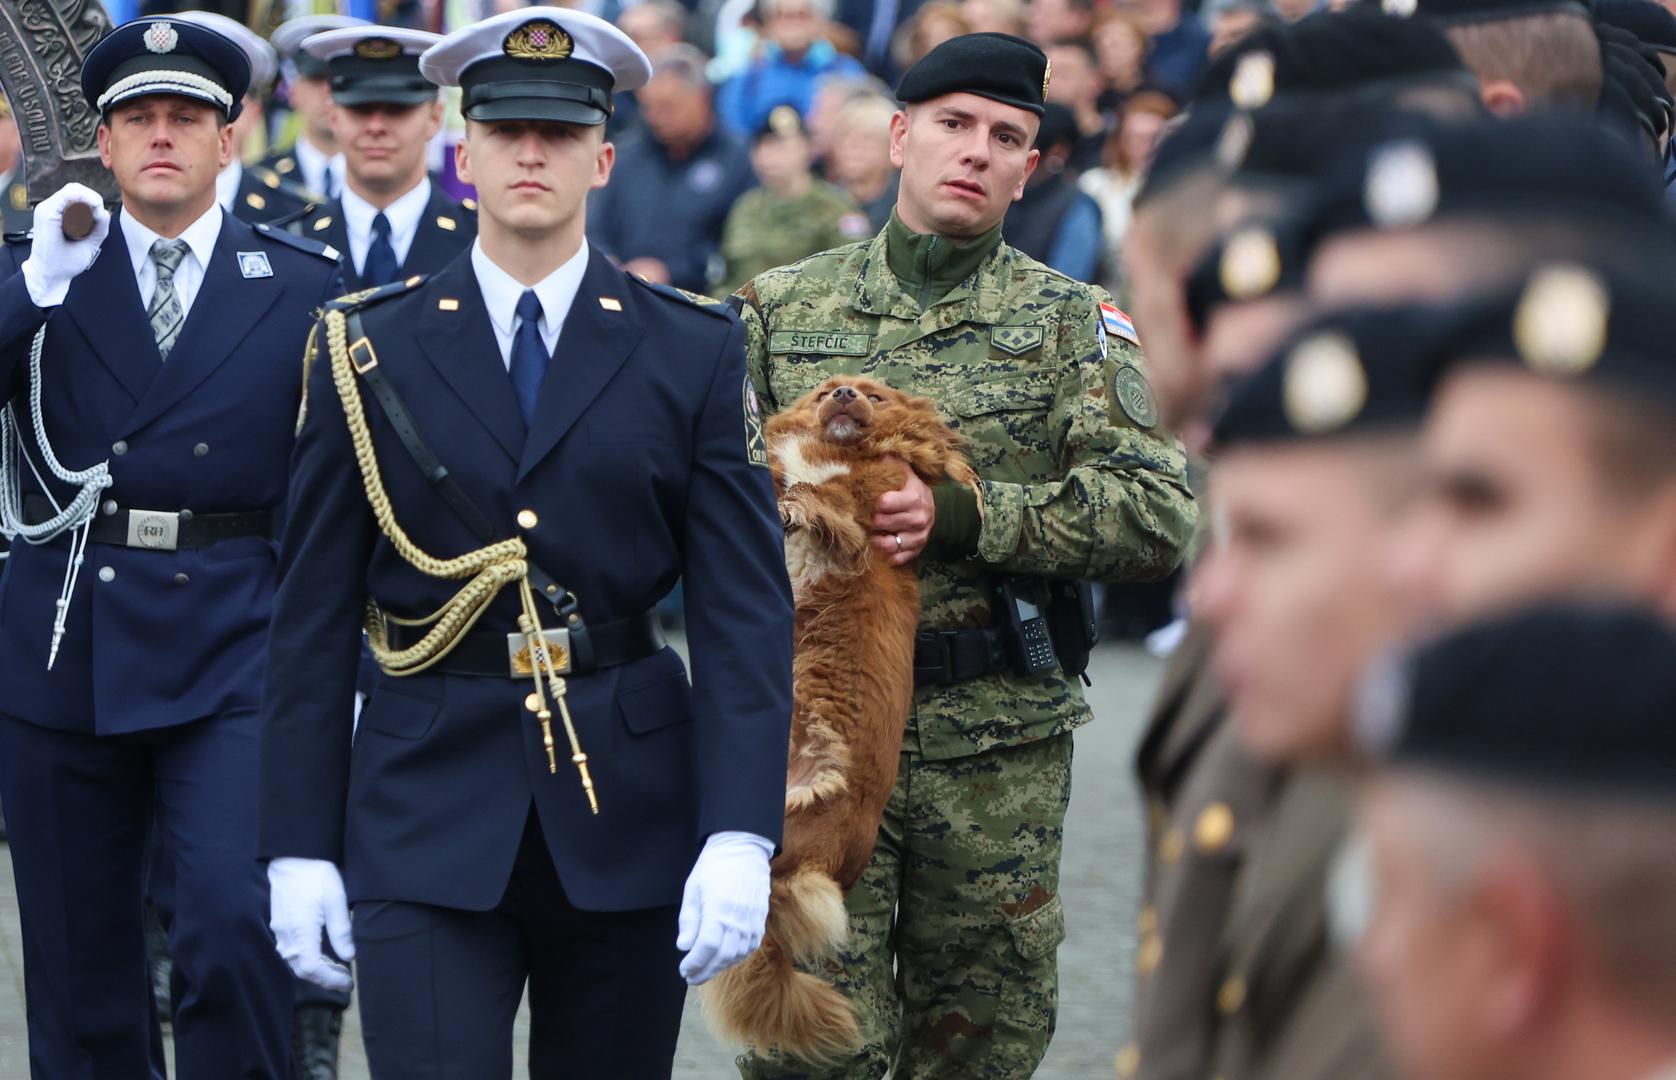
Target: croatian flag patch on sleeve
1116,322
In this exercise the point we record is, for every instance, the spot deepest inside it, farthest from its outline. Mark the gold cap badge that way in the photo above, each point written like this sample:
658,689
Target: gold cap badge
1250,264
538,39
1400,9
377,48
784,120
1047,76
1253,83
1325,386
1560,324
1235,141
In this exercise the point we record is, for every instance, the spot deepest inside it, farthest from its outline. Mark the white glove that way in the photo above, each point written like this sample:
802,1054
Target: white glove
725,905
306,896
54,261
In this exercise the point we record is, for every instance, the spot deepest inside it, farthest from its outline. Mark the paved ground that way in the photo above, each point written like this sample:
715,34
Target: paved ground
1100,883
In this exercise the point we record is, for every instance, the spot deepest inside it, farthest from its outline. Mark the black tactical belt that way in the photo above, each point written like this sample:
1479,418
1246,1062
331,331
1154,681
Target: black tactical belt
486,653
162,530
944,657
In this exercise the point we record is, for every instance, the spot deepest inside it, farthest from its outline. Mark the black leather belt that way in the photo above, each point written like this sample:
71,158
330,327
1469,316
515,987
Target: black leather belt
162,530
944,657
486,653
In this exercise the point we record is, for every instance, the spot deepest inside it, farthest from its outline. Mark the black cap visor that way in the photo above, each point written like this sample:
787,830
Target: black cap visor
382,90
510,90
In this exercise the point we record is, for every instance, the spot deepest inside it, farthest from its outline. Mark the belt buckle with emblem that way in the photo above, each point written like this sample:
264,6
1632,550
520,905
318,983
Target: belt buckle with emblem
155,530
520,662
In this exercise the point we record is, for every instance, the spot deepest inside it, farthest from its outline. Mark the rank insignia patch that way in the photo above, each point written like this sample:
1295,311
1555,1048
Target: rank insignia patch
756,449
254,264
1015,340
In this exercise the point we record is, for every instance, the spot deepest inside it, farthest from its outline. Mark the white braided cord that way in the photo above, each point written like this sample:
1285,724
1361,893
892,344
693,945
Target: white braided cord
188,83
75,517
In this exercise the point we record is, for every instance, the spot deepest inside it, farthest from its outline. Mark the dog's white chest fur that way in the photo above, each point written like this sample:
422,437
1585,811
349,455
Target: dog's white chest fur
807,563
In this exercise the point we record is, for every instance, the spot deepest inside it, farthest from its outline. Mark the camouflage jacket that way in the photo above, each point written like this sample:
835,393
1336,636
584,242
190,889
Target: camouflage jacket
1076,483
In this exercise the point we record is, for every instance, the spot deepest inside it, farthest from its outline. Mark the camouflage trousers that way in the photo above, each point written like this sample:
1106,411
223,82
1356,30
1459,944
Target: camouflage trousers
963,895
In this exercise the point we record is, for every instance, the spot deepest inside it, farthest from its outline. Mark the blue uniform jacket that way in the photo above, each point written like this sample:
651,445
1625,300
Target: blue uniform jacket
177,636
637,473
445,230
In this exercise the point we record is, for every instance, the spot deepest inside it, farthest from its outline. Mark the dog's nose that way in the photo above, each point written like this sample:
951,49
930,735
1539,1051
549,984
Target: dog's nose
846,394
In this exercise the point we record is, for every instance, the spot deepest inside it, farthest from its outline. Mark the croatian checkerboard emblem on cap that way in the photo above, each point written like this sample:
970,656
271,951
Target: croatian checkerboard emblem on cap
539,39
1325,386
1560,325
161,37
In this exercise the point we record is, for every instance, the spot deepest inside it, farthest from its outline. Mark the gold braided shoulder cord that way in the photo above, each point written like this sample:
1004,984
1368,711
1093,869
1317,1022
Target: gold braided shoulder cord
490,570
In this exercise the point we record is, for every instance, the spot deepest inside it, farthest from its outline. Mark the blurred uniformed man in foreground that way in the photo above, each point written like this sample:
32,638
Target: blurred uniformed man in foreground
792,214
167,381
500,470
1523,832
390,221
312,159
955,924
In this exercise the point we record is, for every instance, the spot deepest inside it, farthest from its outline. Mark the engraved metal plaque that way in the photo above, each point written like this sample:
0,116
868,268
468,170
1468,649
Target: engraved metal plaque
42,45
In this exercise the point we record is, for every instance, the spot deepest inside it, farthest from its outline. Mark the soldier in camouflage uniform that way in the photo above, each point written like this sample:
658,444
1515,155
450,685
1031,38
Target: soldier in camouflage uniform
954,926
793,214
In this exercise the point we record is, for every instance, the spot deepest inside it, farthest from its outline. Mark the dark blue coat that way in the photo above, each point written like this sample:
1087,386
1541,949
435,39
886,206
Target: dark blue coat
174,636
446,229
637,471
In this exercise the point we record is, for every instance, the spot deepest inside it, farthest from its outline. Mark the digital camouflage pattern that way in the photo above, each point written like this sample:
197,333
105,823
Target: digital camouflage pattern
1018,360
765,230
969,849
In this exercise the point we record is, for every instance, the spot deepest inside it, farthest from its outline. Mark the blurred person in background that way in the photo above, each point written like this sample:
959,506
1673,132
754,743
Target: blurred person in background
1076,85
792,214
662,215
1124,160
1525,55
1120,45
1049,22
1231,22
654,25
1292,10
994,16
312,157
1053,221
931,25
794,56
831,98
861,158
18,217
1178,44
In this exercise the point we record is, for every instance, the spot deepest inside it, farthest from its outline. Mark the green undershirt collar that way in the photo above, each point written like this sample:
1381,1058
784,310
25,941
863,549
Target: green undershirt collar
929,266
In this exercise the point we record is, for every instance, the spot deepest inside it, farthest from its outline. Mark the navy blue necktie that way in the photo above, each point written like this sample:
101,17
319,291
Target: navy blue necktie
529,355
380,265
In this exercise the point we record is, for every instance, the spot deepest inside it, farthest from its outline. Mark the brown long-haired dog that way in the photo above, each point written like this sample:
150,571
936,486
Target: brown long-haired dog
853,685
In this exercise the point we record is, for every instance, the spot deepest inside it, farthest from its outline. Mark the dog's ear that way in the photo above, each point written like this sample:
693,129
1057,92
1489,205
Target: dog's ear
921,438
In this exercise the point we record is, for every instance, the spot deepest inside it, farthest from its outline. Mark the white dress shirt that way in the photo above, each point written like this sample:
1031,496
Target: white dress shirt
556,291
227,184
404,215
312,162
189,275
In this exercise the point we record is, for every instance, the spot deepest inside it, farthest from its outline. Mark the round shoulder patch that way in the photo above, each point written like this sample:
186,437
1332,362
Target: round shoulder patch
1134,395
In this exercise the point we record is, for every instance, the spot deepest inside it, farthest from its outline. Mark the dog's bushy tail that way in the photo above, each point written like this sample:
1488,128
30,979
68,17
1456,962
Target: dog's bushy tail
765,1001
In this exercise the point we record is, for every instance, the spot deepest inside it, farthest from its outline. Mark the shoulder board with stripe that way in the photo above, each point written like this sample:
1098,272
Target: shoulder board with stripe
301,243
365,298
691,299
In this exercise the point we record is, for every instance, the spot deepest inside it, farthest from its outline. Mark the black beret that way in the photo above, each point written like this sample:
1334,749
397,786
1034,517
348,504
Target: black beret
1648,20
1455,12
1563,697
159,55
1603,327
1251,262
1332,51
996,66
1547,165
1634,70
1359,371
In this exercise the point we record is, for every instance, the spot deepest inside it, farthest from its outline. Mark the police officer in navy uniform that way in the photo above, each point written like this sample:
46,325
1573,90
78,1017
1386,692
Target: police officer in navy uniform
535,794
133,619
390,221
253,193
